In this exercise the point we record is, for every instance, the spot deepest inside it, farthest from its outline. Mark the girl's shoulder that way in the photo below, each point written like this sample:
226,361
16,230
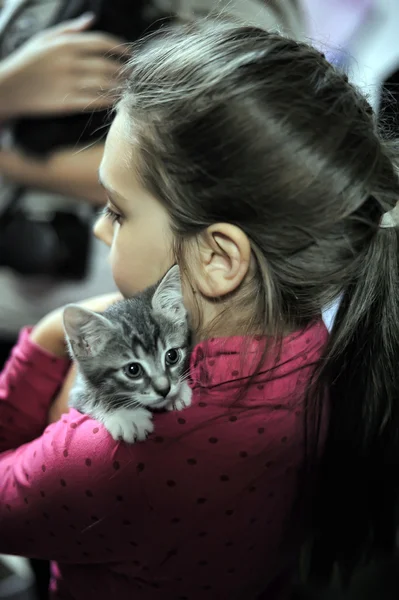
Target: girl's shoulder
248,361
231,404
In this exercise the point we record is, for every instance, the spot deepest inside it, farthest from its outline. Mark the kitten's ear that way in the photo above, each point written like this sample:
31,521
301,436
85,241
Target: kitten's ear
87,332
168,297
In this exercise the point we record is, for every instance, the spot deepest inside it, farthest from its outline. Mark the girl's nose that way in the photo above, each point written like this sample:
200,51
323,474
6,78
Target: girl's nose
103,230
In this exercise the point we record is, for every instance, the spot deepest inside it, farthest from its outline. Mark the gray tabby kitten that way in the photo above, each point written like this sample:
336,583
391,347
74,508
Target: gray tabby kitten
132,358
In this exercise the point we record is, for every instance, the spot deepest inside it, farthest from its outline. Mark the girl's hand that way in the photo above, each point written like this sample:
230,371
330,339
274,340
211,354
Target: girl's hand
61,70
49,332
60,404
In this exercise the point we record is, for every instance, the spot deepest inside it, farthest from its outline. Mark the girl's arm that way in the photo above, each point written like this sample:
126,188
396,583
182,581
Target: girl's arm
74,495
46,481
28,383
61,494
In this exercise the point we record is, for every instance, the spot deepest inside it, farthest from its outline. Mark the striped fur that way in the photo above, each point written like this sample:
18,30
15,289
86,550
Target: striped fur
124,358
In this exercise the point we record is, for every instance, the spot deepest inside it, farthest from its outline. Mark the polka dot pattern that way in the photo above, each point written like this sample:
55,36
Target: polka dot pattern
218,479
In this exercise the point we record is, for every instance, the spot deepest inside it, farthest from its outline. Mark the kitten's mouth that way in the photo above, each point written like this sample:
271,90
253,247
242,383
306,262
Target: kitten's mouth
161,403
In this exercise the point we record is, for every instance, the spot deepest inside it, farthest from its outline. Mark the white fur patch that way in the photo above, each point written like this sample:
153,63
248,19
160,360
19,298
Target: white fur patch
129,425
183,400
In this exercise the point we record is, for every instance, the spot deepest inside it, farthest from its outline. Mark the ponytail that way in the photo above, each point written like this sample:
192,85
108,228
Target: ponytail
355,509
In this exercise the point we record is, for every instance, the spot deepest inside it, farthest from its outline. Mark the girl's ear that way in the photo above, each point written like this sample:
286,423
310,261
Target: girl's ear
225,255
168,297
87,332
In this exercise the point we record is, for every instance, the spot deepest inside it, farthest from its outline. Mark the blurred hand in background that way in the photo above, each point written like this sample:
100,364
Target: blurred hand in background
61,70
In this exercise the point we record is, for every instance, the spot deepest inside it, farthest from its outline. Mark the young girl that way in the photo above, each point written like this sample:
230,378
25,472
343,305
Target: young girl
251,162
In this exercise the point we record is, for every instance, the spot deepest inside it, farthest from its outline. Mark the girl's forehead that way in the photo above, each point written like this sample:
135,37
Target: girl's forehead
119,144
118,166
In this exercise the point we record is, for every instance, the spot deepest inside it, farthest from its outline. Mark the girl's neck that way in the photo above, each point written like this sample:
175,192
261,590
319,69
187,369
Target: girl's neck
221,320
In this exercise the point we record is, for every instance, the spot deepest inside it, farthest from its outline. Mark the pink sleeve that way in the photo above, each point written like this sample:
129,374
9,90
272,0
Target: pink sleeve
58,494
28,384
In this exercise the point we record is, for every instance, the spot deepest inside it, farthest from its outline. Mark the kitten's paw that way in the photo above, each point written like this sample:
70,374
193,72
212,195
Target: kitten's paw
176,405
120,427
183,400
186,395
129,425
143,424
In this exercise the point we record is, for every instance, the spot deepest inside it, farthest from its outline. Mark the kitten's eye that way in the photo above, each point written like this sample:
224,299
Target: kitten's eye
134,370
172,356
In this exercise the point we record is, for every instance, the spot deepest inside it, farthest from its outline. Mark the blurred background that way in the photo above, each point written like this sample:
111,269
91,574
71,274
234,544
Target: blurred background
56,89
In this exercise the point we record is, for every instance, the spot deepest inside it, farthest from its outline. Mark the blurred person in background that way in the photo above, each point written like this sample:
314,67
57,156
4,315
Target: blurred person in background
360,36
62,70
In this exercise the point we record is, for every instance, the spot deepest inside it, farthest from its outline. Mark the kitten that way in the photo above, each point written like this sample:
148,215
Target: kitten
132,358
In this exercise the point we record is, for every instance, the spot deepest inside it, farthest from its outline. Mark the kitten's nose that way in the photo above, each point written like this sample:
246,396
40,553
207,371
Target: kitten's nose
162,388
164,391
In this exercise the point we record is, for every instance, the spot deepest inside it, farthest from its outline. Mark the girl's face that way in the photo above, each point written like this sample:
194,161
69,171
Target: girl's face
135,226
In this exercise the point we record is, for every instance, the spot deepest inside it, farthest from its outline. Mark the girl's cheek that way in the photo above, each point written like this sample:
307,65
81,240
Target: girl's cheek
121,282
115,265
124,272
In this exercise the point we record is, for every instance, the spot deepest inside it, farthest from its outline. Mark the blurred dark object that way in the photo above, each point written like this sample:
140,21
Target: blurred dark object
389,109
123,18
5,350
41,570
378,580
56,245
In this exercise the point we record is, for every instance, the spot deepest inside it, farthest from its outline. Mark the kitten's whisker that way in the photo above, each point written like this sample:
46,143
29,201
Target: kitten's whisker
130,365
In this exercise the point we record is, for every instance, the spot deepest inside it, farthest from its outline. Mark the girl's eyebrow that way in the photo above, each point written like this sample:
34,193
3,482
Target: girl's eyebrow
112,194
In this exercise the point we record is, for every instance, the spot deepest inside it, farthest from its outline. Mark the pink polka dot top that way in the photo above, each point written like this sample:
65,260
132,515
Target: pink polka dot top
199,511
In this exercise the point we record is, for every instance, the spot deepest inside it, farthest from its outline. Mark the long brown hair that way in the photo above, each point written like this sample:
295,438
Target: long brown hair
239,125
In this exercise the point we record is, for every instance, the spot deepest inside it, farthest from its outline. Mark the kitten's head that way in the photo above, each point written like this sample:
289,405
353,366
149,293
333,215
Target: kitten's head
136,352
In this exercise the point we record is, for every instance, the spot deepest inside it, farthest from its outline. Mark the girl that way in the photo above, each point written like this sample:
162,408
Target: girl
251,162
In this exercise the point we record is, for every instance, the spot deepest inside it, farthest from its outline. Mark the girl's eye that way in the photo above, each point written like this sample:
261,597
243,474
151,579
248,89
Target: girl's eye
114,217
134,370
172,356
